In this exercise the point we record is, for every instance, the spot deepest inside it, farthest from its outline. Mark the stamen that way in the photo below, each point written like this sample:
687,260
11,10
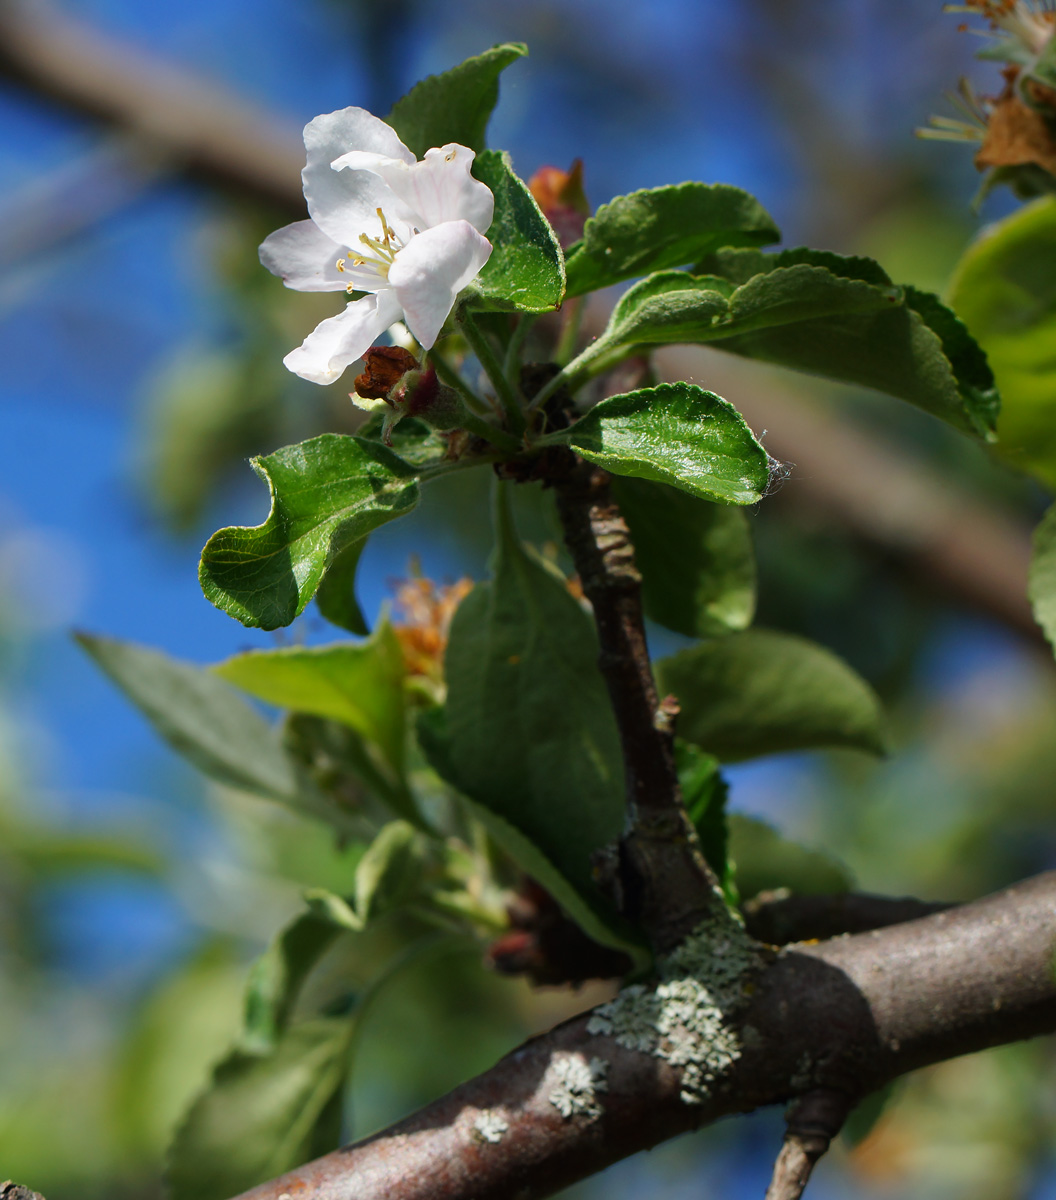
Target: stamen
340,264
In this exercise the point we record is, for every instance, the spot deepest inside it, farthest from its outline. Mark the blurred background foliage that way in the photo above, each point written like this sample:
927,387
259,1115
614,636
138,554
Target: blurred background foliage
142,344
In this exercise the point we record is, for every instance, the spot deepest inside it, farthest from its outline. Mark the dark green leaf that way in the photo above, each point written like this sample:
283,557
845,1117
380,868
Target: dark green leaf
532,735
435,742
358,683
260,1114
704,794
1005,291
664,227
209,723
678,434
336,595
765,861
842,318
412,440
456,105
763,692
1042,587
526,271
696,558
327,494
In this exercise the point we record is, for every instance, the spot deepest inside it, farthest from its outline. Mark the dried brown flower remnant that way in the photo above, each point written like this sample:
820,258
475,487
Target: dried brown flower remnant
1016,134
561,197
423,612
385,367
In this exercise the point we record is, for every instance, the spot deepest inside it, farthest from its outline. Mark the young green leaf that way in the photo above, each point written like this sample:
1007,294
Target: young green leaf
456,105
358,683
664,227
765,861
696,558
261,1113
525,693
704,793
336,594
326,494
600,923
666,308
276,979
1004,290
390,871
843,318
209,723
526,271
679,434
1042,586
763,692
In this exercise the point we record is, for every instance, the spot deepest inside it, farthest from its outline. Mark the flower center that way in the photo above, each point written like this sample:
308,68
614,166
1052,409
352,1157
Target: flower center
380,253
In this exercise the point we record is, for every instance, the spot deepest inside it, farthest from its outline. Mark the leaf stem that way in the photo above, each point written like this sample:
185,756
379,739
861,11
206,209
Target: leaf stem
470,419
571,320
516,344
482,348
452,378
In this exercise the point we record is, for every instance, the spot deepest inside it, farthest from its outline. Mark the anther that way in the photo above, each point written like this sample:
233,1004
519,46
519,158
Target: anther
340,264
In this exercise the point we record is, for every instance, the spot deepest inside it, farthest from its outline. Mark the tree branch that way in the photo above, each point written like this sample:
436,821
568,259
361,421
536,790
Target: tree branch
778,918
665,883
846,1015
813,1121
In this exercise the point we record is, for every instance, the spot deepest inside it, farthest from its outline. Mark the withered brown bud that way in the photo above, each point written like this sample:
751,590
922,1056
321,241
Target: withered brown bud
385,367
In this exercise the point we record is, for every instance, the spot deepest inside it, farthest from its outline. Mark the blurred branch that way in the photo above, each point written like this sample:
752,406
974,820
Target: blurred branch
813,1121
842,1017
203,129
778,918
16,1191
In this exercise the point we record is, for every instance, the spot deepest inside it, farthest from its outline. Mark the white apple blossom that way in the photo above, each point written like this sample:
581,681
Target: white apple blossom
409,233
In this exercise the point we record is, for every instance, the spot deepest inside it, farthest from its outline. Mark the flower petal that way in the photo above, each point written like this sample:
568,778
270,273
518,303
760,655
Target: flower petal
343,202
439,188
430,272
305,258
340,340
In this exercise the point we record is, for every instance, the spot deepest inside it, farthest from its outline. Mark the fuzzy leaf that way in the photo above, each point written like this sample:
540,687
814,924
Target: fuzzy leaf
326,494
765,861
664,227
763,692
678,434
456,105
1042,586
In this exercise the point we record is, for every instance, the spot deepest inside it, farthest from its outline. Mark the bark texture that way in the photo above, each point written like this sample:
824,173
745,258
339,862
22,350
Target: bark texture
843,1016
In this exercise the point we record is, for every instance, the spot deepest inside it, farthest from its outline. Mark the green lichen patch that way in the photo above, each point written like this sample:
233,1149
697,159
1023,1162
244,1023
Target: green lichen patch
686,1018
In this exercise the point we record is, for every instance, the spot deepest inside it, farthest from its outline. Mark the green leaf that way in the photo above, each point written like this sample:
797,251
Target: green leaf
844,319
763,692
326,494
277,977
1042,585
526,271
357,683
336,595
261,1113
532,735
696,558
1004,290
607,928
765,861
664,227
679,434
390,871
456,105
209,723
704,793
666,308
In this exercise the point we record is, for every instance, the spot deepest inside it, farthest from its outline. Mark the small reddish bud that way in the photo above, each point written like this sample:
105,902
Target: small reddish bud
561,197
